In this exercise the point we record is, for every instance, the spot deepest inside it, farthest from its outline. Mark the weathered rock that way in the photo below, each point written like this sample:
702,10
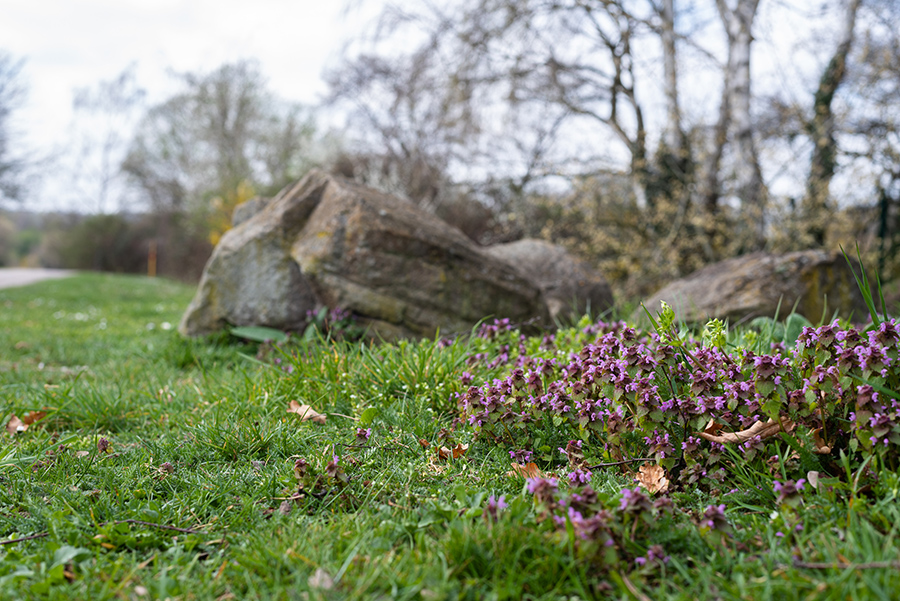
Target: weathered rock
247,209
250,279
325,241
570,286
752,286
403,269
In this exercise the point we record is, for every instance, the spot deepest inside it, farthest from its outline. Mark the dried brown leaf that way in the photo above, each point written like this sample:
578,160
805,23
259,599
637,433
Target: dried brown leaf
653,478
529,470
33,416
17,425
435,466
14,426
712,427
456,452
822,448
307,413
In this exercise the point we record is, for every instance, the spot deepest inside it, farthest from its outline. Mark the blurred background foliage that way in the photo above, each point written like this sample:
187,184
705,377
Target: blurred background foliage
631,132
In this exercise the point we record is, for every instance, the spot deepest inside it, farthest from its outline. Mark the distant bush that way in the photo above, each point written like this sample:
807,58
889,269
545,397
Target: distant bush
106,243
7,241
123,244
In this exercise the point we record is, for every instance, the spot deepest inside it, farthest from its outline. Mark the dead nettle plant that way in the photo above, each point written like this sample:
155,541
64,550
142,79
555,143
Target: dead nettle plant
705,413
680,401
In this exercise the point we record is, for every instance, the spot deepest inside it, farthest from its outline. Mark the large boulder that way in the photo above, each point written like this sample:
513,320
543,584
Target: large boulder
251,279
570,286
247,209
404,270
327,242
759,284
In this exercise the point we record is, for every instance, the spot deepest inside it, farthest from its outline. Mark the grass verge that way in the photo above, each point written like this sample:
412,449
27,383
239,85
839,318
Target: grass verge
156,467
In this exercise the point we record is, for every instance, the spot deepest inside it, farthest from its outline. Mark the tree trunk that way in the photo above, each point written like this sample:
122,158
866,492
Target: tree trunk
674,136
709,176
821,130
749,186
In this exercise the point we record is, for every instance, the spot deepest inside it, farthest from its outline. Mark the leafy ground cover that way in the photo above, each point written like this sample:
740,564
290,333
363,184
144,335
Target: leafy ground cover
598,462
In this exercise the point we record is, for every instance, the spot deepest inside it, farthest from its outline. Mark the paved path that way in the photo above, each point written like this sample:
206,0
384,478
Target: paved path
10,277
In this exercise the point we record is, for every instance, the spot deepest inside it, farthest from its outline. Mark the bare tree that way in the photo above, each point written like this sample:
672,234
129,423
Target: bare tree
505,80
748,187
104,116
11,93
821,128
224,129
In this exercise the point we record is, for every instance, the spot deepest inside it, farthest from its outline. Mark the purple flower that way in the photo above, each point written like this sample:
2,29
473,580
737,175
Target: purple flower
300,467
363,434
714,519
659,444
691,444
580,476
494,506
543,489
789,491
521,456
634,501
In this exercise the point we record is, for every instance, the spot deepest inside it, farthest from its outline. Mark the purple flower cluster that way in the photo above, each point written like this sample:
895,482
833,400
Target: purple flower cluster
602,526
628,394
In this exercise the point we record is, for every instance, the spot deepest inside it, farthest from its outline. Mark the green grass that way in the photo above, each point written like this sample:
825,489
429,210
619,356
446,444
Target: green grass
198,498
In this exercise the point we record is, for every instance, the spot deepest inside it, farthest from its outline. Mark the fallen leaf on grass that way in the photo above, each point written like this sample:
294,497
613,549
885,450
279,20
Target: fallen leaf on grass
456,452
762,429
653,478
712,427
529,470
813,479
307,413
16,425
435,466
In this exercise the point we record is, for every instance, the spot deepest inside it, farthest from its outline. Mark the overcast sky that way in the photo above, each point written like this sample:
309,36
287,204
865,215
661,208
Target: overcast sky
69,44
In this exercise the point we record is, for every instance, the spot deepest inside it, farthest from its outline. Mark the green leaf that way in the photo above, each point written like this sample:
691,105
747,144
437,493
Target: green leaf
368,416
259,334
862,282
765,387
793,327
772,408
67,554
